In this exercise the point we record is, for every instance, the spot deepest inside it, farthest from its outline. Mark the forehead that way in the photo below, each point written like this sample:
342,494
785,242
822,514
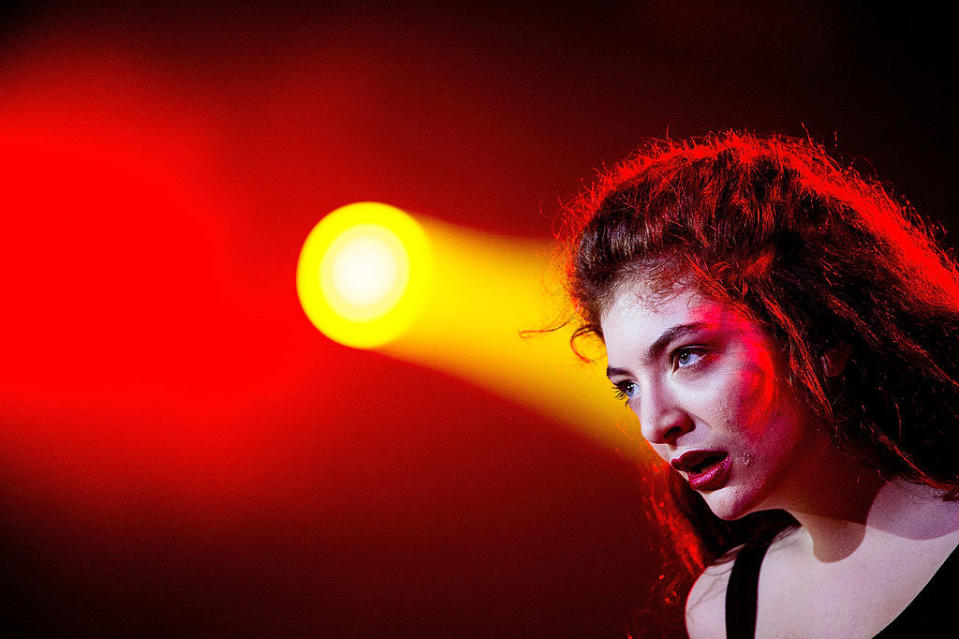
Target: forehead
638,314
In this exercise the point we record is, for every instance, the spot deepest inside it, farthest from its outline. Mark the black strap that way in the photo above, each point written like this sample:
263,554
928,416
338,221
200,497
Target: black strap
933,606
743,591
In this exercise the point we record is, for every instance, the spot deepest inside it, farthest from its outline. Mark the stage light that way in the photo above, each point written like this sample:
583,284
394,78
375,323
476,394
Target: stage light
366,279
363,274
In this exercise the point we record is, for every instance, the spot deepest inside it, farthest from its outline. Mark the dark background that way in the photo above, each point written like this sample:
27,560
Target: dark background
184,455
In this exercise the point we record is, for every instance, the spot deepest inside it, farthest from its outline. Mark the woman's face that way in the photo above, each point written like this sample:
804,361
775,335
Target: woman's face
711,395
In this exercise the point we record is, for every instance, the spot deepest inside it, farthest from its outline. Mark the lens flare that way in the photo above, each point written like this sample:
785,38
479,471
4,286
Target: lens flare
363,274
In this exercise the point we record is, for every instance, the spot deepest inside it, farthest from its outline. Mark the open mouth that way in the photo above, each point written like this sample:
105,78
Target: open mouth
706,463
707,470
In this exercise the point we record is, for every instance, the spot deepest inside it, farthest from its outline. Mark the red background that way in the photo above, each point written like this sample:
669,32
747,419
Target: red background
182,454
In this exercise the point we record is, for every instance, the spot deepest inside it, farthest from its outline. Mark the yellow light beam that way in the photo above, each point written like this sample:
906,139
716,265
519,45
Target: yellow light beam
475,293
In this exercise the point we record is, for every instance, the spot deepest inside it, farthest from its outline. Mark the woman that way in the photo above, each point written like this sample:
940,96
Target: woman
788,335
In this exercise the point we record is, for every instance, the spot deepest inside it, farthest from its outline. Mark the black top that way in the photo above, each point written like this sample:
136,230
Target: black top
923,617
743,591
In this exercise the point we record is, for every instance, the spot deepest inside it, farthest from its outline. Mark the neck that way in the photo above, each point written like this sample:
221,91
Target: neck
835,515
855,506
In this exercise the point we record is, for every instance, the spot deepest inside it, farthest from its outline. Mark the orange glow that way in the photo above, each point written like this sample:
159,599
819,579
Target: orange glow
489,290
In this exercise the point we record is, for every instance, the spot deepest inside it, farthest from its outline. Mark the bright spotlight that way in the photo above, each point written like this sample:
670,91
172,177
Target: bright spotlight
363,274
366,279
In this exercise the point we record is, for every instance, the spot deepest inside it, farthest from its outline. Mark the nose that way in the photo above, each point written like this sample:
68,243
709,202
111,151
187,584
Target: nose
662,418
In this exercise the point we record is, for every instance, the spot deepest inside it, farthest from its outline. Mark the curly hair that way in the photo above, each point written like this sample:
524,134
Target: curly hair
818,255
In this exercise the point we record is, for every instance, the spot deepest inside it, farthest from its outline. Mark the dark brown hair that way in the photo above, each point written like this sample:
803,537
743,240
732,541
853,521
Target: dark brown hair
817,254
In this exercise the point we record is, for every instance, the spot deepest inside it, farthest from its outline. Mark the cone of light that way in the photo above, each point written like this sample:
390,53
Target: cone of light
457,300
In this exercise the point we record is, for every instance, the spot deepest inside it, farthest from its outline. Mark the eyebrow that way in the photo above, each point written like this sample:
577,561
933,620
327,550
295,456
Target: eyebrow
656,348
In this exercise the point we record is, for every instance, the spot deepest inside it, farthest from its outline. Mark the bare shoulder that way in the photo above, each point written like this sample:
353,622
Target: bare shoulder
706,603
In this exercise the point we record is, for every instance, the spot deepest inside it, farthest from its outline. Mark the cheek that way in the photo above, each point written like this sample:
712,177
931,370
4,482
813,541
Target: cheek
750,401
662,451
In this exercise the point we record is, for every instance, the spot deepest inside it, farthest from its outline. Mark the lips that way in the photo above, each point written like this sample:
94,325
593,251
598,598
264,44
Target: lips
705,469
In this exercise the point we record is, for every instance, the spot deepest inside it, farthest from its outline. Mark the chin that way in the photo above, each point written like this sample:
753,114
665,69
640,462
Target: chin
730,507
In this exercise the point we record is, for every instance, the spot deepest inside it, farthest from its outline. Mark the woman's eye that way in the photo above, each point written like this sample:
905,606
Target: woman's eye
625,390
687,357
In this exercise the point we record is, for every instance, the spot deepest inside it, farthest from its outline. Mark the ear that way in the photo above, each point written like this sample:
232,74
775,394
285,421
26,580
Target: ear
835,358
